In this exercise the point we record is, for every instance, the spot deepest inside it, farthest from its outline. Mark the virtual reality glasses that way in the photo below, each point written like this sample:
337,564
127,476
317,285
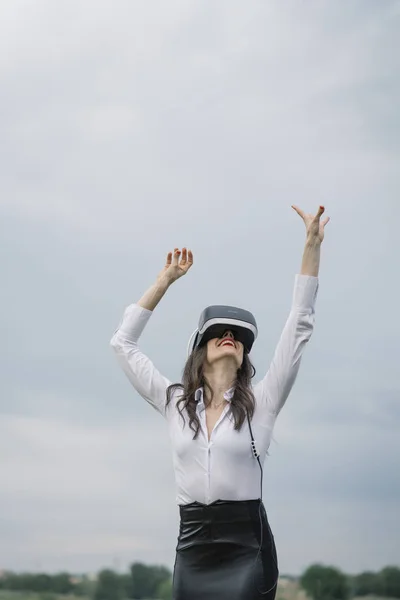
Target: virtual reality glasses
217,319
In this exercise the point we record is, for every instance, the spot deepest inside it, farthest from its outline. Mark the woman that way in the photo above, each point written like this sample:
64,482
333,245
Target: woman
218,424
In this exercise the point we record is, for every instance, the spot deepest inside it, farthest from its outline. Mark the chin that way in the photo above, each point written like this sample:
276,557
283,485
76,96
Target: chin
231,353
228,352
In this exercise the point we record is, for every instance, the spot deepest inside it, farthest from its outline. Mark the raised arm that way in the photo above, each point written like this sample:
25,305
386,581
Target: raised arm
273,391
139,369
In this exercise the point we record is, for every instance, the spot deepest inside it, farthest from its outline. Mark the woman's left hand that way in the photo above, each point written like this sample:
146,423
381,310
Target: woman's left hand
314,227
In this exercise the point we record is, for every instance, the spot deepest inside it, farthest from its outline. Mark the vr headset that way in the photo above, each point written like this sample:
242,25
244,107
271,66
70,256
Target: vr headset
216,319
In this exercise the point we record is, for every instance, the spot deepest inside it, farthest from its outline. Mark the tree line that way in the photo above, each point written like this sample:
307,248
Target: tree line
328,583
142,581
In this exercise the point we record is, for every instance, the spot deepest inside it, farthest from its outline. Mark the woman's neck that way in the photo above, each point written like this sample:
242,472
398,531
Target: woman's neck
220,379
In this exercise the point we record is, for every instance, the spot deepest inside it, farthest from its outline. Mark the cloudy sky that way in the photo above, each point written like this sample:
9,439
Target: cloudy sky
132,127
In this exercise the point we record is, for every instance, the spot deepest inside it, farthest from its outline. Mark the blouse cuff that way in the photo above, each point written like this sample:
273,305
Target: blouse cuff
305,292
134,321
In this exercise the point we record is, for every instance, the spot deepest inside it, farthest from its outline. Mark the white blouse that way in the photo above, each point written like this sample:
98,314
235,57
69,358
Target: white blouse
223,467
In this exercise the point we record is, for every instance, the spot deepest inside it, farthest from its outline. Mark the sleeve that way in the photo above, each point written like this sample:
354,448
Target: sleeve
273,390
139,369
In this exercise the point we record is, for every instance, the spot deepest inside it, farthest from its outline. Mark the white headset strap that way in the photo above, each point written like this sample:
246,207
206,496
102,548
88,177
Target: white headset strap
190,344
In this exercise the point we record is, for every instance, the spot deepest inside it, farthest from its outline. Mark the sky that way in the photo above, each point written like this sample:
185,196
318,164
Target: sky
129,128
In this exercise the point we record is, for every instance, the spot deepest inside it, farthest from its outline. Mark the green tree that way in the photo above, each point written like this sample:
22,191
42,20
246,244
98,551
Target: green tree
85,587
62,583
108,586
367,583
22,582
127,585
164,591
41,583
8,581
147,579
390,577
325,583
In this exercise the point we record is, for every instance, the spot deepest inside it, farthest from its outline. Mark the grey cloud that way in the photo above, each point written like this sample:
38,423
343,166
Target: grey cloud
129,132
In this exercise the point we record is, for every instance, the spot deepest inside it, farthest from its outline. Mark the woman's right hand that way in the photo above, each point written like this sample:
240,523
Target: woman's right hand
175,268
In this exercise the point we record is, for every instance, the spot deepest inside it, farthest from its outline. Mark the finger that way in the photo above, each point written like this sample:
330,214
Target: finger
184,256
190,260
177,254
299,211
326,221
169,259
318,215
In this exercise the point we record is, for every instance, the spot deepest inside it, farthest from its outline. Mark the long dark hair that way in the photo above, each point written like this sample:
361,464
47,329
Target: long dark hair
193,377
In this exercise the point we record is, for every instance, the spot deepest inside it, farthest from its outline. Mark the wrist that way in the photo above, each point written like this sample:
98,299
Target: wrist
162,283
312,241
154,294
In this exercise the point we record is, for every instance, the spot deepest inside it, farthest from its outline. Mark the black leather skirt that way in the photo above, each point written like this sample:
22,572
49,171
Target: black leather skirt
225,551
